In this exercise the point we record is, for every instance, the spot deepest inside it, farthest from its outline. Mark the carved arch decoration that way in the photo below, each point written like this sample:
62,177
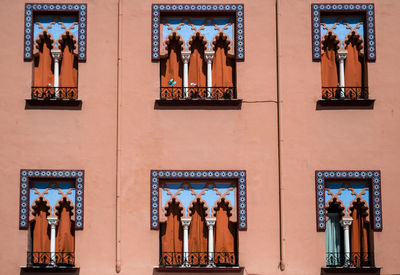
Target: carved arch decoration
357,17
228,43
55,19
347,187
53,186
207,19
330,37
209,187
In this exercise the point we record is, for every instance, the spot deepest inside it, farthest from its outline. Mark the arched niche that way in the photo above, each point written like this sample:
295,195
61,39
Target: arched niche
329,67
40,231
43,65
198,232
68,66
197,66
65,237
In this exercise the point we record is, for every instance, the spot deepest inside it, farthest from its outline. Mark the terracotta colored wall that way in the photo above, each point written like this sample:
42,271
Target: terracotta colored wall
198,139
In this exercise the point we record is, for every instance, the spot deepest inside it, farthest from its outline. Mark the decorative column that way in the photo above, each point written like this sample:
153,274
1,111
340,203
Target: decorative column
346,222
56,54
209,57
341,57
211,223
185,58
185,225
53,223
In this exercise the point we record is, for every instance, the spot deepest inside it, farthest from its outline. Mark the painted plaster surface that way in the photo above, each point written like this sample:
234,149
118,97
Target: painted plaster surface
193,139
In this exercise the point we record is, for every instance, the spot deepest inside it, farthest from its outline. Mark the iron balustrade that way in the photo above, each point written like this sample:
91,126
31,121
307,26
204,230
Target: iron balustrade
198,93
345,92
196,259
352,259
70,93
45,259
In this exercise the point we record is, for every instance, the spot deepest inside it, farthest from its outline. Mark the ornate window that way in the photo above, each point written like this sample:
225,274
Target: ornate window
197,47
344,41
55,40
51,209
349,210
199,214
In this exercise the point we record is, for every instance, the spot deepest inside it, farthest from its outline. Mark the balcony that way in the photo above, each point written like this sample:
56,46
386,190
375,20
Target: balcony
53,97
354,262
198,96
345,97
56,259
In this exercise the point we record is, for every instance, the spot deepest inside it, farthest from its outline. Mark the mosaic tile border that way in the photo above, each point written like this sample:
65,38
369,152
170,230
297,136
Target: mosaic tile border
371,175
31,9
161,9
367,8
239,175
27,174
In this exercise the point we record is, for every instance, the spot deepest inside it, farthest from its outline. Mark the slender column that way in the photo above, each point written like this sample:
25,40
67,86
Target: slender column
211,223
209,57
346,222
56,54
185,225
53,223
341,57
185,58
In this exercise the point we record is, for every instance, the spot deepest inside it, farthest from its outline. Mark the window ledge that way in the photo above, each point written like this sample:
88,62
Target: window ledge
351,270
331,104
198,104
54,104
49,269
235,269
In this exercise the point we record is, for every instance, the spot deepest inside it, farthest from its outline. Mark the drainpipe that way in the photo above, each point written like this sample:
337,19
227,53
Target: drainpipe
118,149
282,239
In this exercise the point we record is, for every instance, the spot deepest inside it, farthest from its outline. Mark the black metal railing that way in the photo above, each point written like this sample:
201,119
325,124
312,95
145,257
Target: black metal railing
199,259
70,93
345,93
198,93
53,259
353,259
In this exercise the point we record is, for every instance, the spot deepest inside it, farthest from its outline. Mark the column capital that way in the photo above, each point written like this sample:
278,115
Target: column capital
186,222
56,54
53,221
341,55
185,56
346,222
208,56
211,221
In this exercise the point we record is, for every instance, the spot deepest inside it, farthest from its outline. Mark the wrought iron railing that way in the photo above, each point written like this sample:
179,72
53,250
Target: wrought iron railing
70,93
345,93
53,259
198,93
353,259
194,259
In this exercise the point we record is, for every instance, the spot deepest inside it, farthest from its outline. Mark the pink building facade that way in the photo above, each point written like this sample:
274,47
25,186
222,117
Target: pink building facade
235,137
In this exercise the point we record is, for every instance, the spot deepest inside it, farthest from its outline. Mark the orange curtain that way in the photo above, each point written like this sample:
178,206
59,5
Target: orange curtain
42,69
359,237
68,70
41,234
197,67
225,236
65,239
198,235
353,69
171,236
223,68
172,68
329,73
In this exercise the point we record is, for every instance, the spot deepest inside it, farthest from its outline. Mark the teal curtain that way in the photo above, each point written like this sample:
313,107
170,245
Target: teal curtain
332,240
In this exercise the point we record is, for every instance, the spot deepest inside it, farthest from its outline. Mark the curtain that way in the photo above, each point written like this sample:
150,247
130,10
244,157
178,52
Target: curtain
329,73
171,236
225,236
198,235
42,69
333,240
68,70
353,70
172,68
197,68
65,239
359,237
223,68
41,234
